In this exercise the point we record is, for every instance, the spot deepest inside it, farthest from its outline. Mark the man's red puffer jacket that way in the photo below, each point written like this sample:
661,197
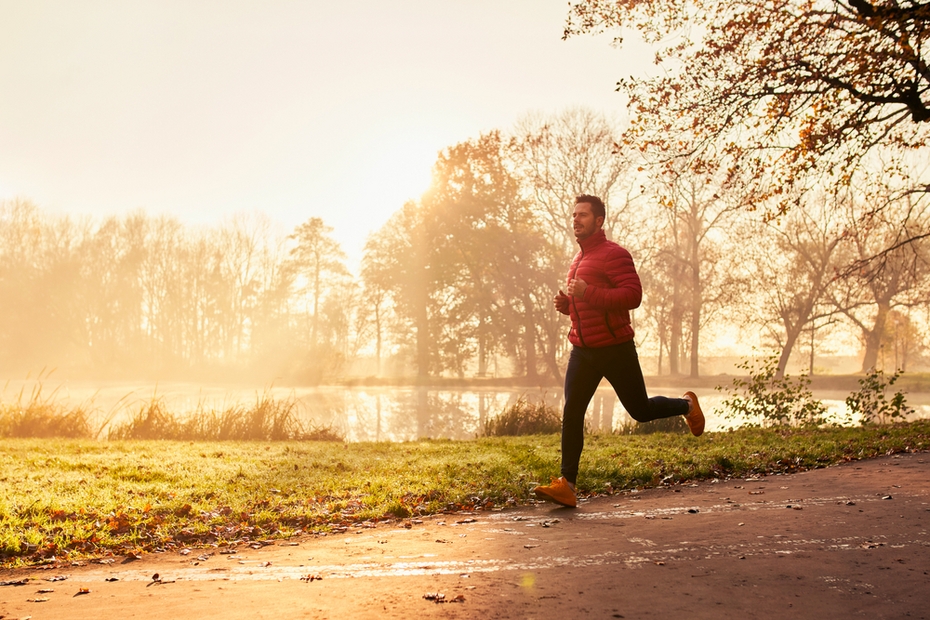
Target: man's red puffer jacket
602,317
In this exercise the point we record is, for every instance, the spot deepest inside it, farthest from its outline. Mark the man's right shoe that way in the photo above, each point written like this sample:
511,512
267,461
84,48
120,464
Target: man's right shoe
695,417
558,491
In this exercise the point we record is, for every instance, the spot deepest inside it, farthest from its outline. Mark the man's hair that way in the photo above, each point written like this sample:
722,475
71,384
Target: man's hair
597,205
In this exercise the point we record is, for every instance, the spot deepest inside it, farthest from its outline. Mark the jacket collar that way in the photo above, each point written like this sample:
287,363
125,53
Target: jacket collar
593,241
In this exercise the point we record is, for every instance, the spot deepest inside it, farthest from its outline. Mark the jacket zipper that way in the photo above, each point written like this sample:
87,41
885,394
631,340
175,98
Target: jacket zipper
574,305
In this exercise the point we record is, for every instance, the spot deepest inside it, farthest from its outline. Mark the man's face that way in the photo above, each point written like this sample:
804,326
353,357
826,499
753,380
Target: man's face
584,222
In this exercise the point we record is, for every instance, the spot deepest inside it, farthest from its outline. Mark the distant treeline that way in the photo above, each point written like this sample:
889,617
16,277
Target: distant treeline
460,282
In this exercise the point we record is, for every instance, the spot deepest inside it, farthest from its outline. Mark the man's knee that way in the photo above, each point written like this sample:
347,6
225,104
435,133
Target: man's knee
640,415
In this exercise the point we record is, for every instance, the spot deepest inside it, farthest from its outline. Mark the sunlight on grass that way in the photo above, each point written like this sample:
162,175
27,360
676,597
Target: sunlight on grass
69,499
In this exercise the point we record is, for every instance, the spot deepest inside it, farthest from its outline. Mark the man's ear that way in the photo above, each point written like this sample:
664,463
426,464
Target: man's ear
599,221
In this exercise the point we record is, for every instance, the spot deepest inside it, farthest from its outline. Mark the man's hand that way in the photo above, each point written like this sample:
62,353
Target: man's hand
561,302
576,288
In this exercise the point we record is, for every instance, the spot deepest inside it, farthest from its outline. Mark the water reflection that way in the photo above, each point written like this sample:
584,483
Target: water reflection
384,413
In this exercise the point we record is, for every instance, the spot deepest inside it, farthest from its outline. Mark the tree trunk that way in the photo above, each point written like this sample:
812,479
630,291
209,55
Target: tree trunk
695,327
810,367
791,338
529,338
873,337
674,346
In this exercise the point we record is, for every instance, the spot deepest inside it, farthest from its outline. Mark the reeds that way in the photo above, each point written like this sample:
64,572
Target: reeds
524,418
269,419
39,414
674,424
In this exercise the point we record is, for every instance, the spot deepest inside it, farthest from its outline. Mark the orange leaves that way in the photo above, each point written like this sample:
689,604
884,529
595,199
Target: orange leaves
119,523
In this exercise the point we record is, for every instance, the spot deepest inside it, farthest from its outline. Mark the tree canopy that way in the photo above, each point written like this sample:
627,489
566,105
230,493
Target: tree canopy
775,90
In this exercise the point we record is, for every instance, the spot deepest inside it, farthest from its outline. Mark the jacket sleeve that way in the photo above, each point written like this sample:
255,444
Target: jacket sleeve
626,292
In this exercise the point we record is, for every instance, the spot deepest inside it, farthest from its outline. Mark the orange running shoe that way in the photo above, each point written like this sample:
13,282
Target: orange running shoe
558,491
695,417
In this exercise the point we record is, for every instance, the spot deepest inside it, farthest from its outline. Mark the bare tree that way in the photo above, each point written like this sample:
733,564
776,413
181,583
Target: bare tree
791,265
887,268
682,264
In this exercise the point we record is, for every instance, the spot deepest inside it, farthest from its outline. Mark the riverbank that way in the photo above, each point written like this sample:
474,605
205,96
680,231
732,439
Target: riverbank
911,382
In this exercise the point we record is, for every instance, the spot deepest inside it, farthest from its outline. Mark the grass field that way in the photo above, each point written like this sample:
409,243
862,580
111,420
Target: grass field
70,499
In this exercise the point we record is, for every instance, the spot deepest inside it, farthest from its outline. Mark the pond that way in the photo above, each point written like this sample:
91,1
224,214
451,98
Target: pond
376,413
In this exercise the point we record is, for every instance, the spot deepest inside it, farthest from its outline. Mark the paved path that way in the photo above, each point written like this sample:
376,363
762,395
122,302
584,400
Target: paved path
841,542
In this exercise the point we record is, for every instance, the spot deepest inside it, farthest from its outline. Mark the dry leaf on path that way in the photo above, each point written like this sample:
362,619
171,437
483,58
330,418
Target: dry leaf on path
21,582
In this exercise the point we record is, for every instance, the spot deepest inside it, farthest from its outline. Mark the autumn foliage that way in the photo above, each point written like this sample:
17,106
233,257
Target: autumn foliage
774,91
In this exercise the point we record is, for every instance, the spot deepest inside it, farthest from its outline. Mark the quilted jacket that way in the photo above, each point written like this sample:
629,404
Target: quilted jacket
602,316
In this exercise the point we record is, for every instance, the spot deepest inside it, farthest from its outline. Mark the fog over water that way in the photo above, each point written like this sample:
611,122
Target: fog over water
378,413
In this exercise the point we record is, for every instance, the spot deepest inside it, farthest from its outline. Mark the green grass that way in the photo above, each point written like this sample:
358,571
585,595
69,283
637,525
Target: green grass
75,498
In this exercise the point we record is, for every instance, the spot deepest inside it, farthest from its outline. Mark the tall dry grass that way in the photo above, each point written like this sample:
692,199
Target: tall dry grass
269,419
524,418
42,414
39,414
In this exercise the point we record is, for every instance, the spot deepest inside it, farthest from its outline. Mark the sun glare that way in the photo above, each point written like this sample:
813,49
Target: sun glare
404,170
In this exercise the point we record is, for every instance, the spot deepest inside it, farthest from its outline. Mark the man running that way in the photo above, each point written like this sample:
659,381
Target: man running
603,287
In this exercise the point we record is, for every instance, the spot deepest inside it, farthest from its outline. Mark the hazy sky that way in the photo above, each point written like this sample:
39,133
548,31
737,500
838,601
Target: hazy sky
296,109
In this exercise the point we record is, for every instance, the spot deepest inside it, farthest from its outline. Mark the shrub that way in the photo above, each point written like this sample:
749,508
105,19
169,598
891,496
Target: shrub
524,418
869,400
767,400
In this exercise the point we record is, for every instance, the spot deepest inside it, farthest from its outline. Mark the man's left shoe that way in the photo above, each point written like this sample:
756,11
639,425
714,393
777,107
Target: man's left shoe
558,491
695,417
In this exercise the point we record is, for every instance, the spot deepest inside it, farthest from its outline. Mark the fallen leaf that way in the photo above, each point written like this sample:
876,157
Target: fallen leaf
309,578
36,600
438,597
21,582
82,591
57,578
459,598
44,591
112,579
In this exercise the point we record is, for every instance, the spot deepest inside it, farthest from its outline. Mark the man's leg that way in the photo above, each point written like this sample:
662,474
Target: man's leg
620,366
581,380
